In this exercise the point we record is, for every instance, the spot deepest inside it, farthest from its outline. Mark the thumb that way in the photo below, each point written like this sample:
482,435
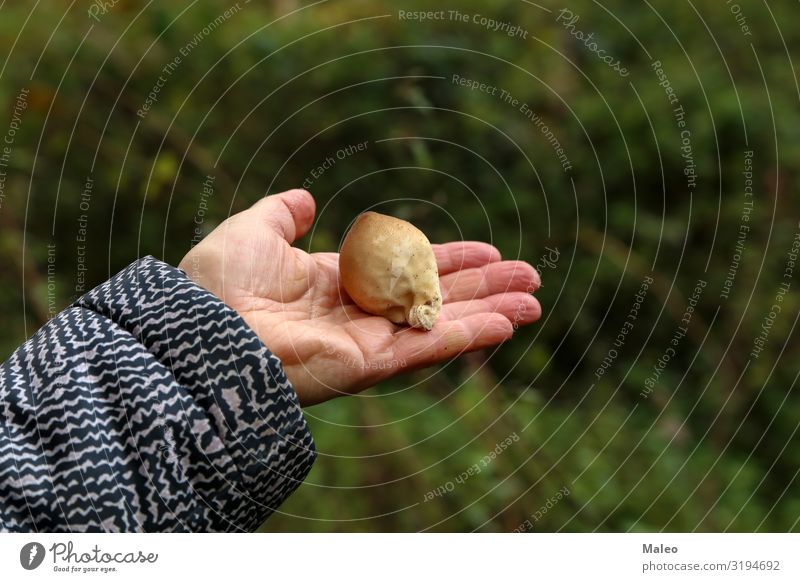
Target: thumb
290,214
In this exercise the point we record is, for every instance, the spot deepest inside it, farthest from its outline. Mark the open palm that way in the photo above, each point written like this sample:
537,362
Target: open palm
295,303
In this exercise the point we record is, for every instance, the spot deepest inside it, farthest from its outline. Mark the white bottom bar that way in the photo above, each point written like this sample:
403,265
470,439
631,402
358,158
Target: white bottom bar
390,557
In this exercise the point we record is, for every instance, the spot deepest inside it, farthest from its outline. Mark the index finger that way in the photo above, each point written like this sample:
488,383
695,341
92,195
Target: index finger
455,256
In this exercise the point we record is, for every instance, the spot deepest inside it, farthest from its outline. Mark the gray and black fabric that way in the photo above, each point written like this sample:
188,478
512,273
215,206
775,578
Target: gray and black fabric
148,405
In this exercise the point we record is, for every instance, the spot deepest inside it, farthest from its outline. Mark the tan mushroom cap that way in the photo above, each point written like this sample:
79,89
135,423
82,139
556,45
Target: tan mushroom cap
388,268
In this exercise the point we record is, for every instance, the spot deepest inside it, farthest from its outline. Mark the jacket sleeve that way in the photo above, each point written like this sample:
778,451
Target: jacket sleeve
148,405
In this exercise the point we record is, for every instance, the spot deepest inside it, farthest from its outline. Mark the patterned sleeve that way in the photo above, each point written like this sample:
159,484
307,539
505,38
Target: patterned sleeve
148,405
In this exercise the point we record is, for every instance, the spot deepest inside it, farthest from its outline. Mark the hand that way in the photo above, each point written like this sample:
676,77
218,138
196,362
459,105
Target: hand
329,347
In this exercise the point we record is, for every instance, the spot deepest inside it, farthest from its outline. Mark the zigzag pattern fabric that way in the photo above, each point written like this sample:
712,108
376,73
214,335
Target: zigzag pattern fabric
148,405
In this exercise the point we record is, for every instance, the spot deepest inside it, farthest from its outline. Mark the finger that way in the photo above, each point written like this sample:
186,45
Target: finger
519,308
451,338
290,214
327,259
454,256
477,283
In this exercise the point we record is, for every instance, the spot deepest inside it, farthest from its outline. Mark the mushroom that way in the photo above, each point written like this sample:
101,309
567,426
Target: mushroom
388,268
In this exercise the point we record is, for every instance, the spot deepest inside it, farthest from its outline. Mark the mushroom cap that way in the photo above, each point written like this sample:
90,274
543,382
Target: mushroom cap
388,268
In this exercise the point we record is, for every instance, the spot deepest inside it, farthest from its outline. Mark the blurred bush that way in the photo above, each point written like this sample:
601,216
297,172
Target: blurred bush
261,97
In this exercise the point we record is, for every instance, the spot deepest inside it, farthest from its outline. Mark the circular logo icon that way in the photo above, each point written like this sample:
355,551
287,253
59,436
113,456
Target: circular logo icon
31,555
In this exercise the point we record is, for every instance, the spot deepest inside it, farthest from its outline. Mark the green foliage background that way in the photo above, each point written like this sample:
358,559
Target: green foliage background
275,89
